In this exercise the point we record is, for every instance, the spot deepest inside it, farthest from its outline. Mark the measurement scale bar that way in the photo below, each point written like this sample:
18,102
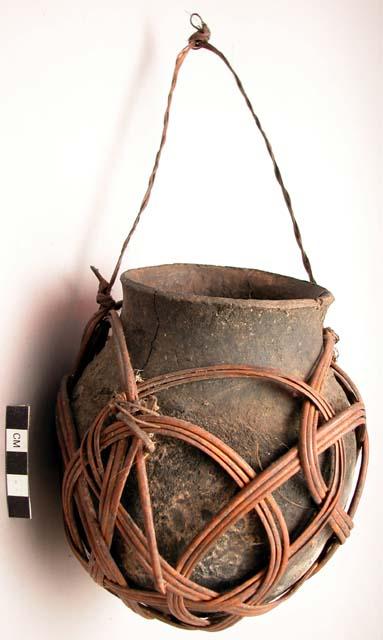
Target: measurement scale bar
16,461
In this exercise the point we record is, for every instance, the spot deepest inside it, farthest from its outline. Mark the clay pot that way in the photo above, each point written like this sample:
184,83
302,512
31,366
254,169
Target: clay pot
183,316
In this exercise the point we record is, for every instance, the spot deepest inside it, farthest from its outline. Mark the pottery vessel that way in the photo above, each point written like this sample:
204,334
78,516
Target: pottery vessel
184,316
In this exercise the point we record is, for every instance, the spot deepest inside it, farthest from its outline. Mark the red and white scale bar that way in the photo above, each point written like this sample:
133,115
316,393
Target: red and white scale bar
16,461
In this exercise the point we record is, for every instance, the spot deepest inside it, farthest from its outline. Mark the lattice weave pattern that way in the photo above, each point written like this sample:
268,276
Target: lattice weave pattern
92,489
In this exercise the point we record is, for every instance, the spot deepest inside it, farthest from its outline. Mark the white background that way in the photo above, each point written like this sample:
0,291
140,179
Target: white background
82,92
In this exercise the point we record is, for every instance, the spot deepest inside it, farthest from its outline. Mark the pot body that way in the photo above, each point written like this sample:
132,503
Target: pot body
178,317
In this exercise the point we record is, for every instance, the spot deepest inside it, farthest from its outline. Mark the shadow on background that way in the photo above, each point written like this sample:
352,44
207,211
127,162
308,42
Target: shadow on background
52,355
57,327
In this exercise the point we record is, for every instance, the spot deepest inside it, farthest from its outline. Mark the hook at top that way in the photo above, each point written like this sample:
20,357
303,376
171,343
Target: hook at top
196,16
202,33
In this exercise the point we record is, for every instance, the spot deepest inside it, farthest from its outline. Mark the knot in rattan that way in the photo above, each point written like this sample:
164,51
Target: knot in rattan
202,33
104,297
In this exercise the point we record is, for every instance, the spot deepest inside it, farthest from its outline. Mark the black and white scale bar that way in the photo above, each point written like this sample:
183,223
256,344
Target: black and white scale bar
16,461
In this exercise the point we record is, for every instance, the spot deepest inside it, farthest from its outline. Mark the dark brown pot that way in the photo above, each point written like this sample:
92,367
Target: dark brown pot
183,316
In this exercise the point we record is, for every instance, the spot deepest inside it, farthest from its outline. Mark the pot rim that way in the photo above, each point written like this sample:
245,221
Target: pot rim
319,295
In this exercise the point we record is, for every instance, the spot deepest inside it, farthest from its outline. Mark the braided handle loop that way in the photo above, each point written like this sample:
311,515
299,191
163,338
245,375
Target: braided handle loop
200,40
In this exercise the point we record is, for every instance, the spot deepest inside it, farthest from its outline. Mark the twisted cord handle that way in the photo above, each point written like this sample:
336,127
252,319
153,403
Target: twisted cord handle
200,40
